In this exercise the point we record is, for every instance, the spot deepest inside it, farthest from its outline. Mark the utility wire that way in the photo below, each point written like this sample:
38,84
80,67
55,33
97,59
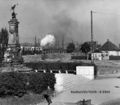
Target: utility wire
105,13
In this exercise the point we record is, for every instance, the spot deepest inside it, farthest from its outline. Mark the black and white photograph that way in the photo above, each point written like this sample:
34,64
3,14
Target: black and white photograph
59,52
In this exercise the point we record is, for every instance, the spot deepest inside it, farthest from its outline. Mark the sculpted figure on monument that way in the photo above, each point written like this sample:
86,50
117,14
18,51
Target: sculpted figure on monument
13,15
13,9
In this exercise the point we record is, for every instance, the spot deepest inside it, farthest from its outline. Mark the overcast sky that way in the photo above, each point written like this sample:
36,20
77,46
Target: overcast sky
64,17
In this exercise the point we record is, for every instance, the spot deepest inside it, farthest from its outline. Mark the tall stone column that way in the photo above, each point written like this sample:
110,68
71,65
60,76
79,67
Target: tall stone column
13,29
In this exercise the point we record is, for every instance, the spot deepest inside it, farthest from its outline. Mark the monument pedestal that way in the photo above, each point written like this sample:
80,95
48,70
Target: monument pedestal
13,54
13,60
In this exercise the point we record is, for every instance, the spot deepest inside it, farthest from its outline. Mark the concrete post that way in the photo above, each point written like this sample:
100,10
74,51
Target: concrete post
51,71
59,71
44,71
66,72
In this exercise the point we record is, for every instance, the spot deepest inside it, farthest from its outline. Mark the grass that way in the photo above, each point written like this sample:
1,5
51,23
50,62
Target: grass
54,56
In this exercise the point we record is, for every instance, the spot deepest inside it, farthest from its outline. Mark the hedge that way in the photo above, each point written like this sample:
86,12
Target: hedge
114,57
12,84
18,84
79,57
40,82
56,65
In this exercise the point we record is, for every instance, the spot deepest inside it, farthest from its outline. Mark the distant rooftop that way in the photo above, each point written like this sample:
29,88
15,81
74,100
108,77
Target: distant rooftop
109,46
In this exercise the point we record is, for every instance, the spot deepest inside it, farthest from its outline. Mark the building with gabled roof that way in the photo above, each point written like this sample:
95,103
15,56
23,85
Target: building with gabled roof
109,46
107,50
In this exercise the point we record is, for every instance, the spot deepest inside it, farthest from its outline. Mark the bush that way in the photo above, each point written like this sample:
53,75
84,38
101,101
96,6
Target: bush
50,80
37,83
79,57
12,84
40,82
17,84
70,47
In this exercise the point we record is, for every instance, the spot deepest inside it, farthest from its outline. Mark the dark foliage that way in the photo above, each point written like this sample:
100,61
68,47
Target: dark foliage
55,66
114,57
50,80
78,57
37,84
18,84
85,47
12,84
70,47
3,42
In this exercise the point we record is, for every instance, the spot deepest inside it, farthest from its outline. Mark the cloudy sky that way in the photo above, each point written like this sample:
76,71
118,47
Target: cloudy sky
69,18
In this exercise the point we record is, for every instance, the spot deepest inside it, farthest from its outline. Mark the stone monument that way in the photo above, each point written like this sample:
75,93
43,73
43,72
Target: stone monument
13,52
13,60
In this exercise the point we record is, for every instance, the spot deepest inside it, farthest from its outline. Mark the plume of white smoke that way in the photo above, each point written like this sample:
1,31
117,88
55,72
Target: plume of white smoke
48,40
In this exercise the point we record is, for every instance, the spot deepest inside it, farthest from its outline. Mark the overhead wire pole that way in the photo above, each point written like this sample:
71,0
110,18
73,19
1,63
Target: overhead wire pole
92,49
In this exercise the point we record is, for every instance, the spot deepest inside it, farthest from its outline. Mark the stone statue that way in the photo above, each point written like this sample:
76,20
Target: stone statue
13,15
13,11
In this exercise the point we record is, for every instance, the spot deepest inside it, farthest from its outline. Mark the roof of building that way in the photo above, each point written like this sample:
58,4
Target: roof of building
97,52
109,46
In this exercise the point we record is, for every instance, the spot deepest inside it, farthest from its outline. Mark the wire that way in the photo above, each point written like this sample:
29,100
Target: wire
105,13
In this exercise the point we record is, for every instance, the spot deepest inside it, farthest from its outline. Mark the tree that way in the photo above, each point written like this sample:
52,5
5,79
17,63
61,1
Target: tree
85,48
3,42
70,47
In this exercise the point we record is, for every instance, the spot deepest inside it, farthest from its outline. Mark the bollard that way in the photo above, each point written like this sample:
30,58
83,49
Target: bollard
59,71
36,70
51,71
66,72
44,71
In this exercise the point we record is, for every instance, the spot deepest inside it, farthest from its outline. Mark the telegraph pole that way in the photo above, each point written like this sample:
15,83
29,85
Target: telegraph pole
92,49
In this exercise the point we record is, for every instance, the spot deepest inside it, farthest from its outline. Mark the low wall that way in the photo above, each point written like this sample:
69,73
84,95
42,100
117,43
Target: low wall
86,71
114,57
79,57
